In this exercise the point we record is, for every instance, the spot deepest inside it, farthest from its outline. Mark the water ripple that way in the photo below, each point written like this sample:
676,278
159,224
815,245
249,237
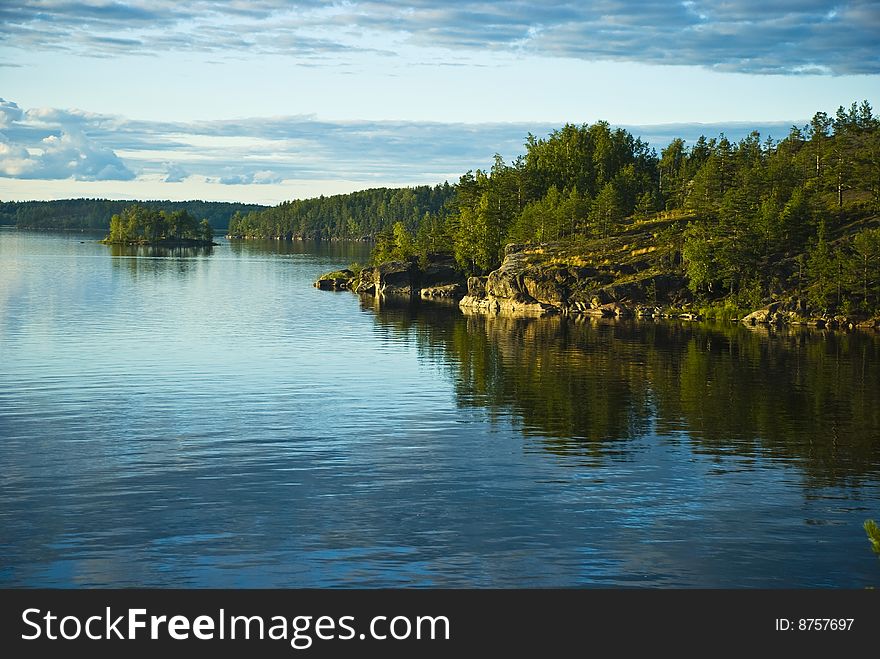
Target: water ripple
214,420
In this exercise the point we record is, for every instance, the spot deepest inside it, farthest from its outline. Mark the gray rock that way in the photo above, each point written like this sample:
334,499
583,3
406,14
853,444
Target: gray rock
513,248
440,270
476,286
335,281
395,278
761,316
448,291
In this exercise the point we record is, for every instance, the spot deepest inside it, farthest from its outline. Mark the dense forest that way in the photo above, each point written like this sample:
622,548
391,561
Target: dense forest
95,214
743,221
356,216
145,225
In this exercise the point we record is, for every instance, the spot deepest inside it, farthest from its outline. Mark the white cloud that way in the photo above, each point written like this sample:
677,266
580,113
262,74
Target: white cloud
262,177
73,155
277,153
174,173
9,112
14,159
53,149
266,177
738,35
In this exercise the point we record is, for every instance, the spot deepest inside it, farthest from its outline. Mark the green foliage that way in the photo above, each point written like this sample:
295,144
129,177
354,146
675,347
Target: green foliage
478,242
821,269
206,233
864,269
394,244
698,253
752,205
725,310
607,209
554,216
384,249
754,202
403,243
579,181
672,175
434,236
751,293
336,274
141,224
873,532
645,205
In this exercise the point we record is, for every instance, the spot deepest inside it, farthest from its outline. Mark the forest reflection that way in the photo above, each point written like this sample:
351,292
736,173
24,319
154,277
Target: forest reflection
587,386
151,260
156,251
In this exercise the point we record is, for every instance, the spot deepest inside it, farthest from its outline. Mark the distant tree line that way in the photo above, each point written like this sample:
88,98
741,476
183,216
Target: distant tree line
95,214
356,216
142,224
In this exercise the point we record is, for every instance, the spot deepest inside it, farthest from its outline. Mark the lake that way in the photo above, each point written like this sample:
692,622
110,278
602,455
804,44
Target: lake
209,419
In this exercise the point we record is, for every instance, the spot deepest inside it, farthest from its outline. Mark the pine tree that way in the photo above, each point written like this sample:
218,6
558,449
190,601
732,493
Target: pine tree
607,211
820,269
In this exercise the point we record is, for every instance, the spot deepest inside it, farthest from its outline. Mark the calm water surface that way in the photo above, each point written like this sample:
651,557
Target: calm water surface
209,419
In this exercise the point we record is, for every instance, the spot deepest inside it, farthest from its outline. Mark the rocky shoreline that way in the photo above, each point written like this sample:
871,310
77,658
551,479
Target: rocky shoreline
436,278
533,280
796,312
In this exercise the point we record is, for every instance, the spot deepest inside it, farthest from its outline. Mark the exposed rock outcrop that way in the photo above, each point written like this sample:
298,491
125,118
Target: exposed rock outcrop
796,311
440,270
335,281
390,278
547,279
449,291
767,315
511,289
527,282
435,279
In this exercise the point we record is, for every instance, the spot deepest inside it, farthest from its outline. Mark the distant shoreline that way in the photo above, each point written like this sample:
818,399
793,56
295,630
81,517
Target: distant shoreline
53,229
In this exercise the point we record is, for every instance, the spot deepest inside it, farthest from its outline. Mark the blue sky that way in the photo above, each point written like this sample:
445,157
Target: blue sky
268,100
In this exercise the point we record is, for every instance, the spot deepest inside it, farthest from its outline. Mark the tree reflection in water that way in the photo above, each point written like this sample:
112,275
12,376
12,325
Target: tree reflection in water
586,386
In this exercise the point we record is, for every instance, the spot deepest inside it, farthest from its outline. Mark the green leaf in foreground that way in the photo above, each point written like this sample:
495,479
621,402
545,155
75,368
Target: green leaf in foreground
873,532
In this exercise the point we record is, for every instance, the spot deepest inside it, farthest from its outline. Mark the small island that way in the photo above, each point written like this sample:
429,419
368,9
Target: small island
141,225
